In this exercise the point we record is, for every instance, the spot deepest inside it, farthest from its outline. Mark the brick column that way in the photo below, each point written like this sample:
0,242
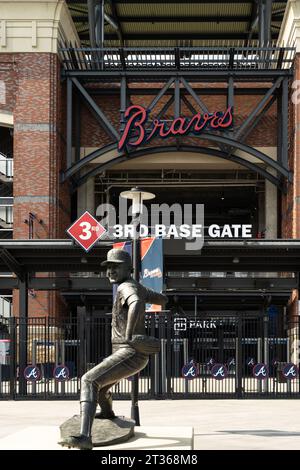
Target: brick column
39,151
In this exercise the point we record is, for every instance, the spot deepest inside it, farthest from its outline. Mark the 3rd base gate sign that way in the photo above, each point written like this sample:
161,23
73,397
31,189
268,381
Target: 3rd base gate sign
86,231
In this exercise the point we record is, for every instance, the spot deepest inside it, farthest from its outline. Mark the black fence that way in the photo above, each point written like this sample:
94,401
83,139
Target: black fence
242,355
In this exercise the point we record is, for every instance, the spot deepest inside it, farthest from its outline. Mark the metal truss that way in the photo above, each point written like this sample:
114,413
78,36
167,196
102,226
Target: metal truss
84,83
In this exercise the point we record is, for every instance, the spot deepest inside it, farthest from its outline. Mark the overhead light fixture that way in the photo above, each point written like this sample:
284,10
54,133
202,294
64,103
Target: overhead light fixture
137,196
236,260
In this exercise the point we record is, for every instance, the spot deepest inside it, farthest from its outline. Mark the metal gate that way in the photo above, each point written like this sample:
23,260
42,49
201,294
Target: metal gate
241,355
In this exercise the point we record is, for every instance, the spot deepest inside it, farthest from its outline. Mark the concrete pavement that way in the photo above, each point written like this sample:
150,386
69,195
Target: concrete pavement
217,424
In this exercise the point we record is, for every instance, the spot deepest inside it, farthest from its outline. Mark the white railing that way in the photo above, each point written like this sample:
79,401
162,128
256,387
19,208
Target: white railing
5,307
6,166
6,214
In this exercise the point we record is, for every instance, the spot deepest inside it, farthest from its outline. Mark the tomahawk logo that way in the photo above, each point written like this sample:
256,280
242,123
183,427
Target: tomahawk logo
219,372
210,362
250,361
32,373
260,371
190,370
290,371
61,373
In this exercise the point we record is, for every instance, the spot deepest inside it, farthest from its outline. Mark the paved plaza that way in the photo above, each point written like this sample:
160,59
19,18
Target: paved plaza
214,424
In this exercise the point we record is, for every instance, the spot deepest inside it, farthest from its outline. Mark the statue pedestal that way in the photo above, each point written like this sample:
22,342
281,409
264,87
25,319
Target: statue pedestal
105,432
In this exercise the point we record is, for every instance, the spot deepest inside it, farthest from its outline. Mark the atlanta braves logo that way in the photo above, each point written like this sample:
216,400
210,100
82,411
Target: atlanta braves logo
250,361
32,373
219,372
190,371
290,371
260,371
231,362
210,362
61,373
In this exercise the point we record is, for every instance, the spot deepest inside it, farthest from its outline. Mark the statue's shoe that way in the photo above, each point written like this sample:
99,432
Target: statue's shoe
79,442
103,415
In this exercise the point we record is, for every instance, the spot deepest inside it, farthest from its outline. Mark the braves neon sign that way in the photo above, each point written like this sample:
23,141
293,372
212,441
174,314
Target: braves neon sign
139,129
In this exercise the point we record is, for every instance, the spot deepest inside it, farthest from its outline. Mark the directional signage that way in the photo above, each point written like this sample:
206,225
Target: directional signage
86,231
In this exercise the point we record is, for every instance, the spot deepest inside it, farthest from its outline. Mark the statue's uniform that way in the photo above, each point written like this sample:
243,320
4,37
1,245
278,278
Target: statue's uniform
125,360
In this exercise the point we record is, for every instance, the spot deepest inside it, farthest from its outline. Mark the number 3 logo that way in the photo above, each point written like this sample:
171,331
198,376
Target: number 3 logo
86,229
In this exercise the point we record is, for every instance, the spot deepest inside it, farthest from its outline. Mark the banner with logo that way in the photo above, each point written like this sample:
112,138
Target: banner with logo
151,265
126,246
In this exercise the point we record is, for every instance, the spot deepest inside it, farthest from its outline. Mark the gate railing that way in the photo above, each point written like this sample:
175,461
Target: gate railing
208,356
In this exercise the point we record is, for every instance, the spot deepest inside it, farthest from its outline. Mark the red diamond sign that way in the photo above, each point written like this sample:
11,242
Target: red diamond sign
86,231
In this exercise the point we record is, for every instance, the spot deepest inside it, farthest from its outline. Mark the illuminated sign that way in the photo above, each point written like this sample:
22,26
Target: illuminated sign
139,129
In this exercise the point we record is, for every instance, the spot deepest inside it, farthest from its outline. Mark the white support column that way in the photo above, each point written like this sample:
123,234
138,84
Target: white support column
289,35
271,209
86,197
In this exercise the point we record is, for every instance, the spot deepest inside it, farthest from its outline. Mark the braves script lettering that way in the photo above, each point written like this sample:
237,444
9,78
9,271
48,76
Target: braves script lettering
137,126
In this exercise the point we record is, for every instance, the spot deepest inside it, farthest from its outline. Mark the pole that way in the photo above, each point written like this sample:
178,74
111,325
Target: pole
135,415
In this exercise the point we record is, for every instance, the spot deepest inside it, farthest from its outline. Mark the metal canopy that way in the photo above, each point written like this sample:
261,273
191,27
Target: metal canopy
31,256
192,23
206,300
235,256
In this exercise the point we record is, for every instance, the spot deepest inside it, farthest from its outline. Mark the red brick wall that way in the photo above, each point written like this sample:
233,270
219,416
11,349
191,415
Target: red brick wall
35,95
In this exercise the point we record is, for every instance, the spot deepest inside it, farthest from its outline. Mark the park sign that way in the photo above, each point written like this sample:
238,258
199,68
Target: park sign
139,129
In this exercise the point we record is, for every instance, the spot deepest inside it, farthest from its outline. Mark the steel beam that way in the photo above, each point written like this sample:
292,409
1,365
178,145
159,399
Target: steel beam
8,283
116,19
123,102
69,121
194,95
77,128
285,122
197,74
257,109
246,148
87,159
161,93
257,119
177,99
253,21
92,22
99,23
165,107
270,285
177,19
206,150
12,263
183,92
230,92
189,105
178,36
267,21
100,115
